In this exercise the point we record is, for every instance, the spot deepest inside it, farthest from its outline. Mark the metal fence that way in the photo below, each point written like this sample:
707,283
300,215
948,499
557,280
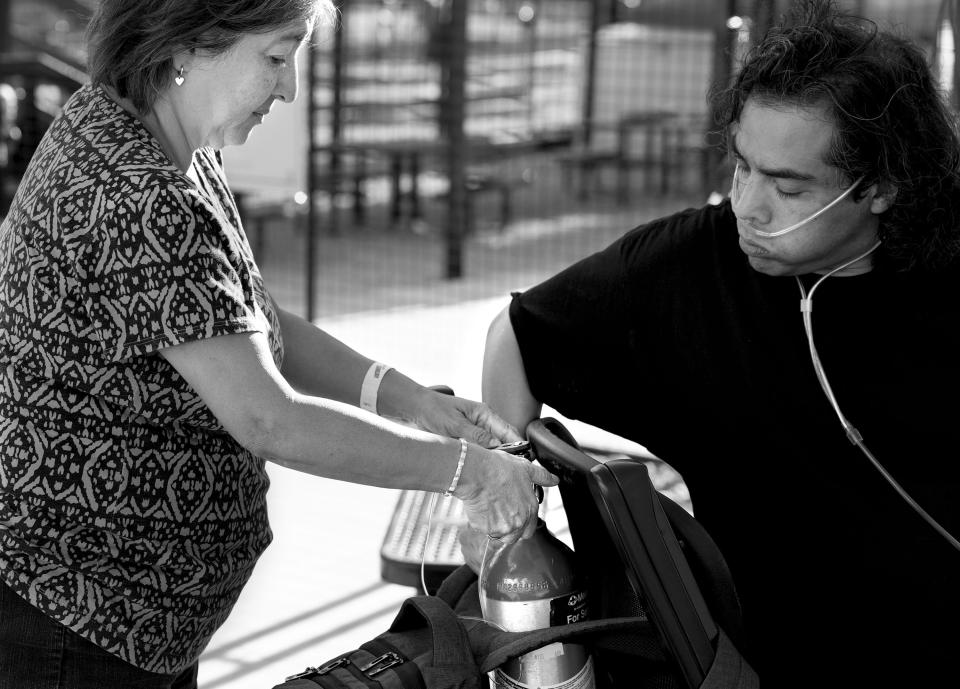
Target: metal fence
493,139
449,149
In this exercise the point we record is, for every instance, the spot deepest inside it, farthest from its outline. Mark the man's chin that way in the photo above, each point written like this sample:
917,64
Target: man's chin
768,267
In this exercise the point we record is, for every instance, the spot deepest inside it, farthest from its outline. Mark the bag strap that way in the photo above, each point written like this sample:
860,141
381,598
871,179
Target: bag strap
495,647
729,669
456,584
451,645
407,672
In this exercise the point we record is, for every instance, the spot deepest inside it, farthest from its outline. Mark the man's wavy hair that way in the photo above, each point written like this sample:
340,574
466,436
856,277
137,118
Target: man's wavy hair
893,125
130,43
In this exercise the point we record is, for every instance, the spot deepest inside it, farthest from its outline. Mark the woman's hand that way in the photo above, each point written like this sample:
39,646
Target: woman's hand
461,418
498,493
473,544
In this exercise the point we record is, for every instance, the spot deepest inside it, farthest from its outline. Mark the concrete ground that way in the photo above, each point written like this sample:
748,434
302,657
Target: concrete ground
317,591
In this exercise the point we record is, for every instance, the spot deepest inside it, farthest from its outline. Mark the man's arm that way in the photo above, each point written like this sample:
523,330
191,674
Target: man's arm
504,382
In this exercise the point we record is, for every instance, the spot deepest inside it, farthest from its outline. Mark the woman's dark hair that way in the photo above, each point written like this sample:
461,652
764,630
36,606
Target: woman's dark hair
131,42
892,124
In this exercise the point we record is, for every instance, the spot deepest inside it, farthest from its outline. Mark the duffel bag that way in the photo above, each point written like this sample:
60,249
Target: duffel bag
426,647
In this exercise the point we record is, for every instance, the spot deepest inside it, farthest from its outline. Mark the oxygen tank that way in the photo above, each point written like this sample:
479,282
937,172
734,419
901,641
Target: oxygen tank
532,584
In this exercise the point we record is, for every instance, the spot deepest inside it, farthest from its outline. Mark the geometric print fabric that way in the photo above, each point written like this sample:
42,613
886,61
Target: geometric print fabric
127,513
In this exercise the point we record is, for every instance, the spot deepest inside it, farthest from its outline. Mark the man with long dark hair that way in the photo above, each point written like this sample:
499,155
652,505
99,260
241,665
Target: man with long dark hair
817,443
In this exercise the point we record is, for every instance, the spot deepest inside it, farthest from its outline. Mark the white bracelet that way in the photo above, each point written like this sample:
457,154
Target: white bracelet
371,386
456,477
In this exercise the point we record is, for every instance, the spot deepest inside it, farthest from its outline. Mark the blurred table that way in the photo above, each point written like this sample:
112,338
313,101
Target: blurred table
647,140
655,142
408,156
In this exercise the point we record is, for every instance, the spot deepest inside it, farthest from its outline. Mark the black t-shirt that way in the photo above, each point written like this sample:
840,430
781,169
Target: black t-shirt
668,337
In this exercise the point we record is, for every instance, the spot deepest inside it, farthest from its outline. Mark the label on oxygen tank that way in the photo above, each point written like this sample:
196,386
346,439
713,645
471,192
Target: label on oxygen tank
569,609
519,616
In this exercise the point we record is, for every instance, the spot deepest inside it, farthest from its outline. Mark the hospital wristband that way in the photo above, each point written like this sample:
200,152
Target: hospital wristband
371,386
456,476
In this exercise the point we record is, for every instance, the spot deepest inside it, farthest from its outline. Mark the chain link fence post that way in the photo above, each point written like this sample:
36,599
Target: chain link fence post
452,114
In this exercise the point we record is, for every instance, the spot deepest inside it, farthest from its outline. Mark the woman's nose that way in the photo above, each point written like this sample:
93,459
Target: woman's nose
287,84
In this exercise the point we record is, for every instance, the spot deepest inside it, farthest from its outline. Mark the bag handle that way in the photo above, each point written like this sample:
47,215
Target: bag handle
451,645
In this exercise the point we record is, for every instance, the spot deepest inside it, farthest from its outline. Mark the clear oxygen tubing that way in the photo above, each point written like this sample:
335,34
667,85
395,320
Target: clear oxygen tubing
483,565
806,308
423,563
483,562
426,540
735,199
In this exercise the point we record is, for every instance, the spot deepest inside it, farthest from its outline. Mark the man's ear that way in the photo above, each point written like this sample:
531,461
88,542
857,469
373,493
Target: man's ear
883,196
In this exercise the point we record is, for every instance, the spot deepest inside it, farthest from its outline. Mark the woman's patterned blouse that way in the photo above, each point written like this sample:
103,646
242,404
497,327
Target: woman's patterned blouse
127,513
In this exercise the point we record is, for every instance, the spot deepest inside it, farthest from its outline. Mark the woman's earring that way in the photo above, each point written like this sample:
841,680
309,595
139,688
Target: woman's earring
179,78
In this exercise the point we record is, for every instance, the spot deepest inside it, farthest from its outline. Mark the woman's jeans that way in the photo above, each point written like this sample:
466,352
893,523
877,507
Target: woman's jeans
38,653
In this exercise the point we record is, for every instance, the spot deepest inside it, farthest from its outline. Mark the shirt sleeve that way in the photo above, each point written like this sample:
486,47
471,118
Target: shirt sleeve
165,270
574,332
600,339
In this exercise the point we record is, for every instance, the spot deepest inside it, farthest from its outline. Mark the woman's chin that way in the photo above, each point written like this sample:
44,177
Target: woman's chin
237,136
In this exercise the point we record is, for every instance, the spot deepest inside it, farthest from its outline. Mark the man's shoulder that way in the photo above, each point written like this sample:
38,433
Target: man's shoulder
688,224
682,236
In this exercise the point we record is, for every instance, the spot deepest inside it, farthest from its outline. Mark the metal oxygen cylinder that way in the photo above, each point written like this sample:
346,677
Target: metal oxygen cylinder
532,584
